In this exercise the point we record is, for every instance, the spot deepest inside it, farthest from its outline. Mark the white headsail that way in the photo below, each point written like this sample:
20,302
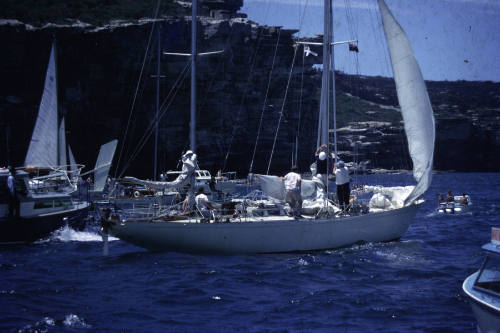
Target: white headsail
62,143
42,150
103,164
414,101
72,162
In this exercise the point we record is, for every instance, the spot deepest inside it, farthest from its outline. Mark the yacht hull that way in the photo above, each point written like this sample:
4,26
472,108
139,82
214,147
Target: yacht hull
29,229
265,235
486,312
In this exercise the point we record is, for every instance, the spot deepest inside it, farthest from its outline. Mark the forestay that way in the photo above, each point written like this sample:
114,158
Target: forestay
42,150
414,101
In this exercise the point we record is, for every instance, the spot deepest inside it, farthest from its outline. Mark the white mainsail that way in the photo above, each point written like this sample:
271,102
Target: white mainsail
414,101
42,150
62,143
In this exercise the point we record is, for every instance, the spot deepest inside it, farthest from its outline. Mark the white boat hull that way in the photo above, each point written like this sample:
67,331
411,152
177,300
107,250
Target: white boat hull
484,307
145,201
282,234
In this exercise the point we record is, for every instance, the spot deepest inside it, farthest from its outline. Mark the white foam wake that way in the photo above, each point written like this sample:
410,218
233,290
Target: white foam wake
67,234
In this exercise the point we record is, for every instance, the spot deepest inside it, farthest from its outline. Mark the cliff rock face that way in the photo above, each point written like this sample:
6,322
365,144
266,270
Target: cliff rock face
99,69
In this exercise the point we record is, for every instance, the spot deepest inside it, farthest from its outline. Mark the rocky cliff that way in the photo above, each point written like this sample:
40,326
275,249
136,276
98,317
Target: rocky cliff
103,96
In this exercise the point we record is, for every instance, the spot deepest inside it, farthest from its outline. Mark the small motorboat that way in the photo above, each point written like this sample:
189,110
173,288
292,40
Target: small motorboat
483,287
458,205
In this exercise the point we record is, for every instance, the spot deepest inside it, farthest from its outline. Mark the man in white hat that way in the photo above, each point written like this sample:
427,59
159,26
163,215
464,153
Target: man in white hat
321,157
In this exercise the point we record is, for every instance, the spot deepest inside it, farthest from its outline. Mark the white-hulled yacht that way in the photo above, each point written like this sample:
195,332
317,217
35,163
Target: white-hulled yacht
483,287
261,234
45,184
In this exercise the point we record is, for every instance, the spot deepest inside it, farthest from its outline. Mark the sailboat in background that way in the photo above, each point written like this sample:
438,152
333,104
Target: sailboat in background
247,233
44,185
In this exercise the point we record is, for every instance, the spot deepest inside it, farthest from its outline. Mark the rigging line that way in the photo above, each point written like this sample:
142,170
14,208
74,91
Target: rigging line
139,145
138,98
284,100
175,87
300,107
228,39
254,57
219,64
148,132
163,110
259,39
138,84
282,108
265,101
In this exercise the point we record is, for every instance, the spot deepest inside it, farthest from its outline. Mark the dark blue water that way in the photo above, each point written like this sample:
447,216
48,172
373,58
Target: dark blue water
66,284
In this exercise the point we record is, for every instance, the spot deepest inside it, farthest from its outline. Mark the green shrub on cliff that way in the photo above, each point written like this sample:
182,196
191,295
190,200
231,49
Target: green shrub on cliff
96,12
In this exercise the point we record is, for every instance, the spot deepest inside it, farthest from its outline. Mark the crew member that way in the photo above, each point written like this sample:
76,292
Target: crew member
293,196
13,202
204,205
342,182
463,200
322,163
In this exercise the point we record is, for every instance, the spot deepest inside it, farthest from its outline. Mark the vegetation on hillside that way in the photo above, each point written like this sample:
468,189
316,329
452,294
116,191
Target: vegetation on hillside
96,12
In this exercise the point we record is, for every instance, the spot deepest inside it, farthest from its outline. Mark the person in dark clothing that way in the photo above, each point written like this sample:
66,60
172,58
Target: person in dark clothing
342,180
13,202
450,197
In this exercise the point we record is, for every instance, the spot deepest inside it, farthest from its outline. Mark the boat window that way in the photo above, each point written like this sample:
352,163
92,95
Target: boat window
489,275
62,203
43,204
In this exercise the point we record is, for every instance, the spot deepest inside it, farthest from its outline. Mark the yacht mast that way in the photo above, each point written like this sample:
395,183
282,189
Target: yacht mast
194,54
334,104
157,104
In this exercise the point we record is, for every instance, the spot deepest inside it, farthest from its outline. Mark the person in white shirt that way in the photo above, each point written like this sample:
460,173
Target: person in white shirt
292,191
204,205
342,181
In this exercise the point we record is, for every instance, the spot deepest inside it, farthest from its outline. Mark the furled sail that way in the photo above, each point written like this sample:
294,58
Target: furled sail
62,143
273,186
414,101
326,77
42,150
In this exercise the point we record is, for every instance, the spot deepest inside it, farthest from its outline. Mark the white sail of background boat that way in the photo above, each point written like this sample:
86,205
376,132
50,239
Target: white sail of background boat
262,234
43,185
62,143
103,164
43,146
72,162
